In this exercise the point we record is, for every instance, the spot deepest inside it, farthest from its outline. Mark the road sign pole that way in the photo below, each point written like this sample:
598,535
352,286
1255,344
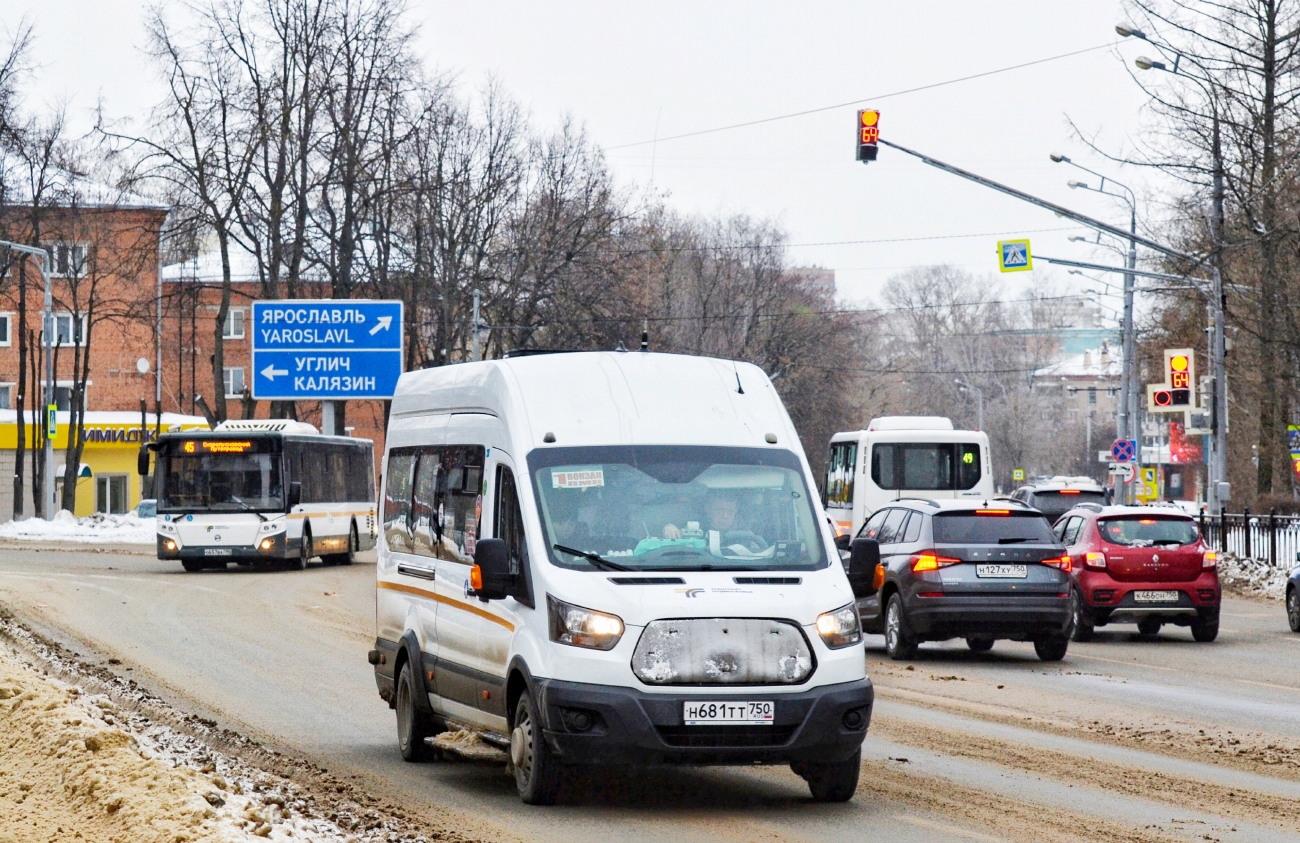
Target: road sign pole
327,423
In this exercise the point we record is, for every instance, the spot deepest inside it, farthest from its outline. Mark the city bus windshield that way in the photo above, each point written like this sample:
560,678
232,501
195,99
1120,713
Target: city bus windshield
652,508
200,475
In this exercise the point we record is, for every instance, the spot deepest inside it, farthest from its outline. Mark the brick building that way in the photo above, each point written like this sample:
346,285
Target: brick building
126,329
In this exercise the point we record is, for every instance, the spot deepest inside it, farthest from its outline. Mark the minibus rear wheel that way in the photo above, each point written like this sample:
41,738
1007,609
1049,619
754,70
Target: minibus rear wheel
537,773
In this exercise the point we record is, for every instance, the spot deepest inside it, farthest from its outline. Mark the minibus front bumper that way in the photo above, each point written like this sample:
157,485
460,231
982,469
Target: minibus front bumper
601,724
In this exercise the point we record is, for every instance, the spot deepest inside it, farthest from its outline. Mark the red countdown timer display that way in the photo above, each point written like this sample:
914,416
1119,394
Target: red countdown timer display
868,134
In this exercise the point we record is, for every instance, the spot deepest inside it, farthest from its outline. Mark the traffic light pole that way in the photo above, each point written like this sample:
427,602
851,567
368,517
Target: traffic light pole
1218,452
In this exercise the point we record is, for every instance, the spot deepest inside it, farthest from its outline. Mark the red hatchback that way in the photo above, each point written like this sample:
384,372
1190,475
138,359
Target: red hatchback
1143,565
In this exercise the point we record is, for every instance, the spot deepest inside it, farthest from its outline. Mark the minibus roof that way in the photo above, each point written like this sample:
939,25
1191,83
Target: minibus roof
597,398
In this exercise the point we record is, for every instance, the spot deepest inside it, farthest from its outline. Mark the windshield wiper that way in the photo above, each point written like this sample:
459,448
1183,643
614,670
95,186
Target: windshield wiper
599,562
247,507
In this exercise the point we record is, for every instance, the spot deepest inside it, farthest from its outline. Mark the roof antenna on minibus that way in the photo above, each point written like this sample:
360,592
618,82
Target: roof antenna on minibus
736,369
621,347
645,335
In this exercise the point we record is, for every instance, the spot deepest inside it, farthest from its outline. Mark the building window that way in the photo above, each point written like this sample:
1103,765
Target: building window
110,494
67,259
7,396
63,395
68,330
233,378
6,328
234,327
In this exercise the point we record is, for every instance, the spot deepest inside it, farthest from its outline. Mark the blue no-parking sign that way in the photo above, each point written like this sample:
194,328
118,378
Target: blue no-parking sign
326,349
1124,450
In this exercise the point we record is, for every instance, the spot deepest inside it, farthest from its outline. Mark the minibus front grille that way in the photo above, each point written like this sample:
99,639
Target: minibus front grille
723,737
723,651
767,580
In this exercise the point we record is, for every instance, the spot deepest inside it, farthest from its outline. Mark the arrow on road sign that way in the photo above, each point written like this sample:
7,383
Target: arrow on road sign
383,323
1123,470
270,372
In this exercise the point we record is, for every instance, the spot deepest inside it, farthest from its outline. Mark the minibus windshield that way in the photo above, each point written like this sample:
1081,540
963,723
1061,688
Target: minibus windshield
676,508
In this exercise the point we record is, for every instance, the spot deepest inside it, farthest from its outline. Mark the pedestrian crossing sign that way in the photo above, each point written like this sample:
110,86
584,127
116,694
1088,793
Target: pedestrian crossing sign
1014,256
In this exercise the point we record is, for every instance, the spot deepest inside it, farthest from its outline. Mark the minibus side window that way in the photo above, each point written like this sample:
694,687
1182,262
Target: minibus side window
424,506
397,499
510,529
460,501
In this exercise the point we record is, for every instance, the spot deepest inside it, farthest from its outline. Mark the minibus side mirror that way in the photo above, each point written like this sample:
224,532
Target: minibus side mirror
295,494
842,541
142,461
490,577
864,559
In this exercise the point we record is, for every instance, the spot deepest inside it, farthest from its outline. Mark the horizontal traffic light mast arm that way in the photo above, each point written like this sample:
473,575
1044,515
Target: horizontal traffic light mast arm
1122,270
1043,203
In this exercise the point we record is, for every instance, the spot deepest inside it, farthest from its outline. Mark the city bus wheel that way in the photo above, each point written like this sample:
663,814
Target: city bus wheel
304,552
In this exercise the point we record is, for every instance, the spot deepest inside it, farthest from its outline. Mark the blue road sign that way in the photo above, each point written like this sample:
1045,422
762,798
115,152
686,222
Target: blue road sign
326,349
1014,256
1124,450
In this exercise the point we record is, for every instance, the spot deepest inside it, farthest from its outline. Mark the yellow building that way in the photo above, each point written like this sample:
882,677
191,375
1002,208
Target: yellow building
106,479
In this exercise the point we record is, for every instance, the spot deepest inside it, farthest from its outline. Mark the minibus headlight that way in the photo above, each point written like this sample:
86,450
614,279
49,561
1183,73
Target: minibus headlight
579,627
840,628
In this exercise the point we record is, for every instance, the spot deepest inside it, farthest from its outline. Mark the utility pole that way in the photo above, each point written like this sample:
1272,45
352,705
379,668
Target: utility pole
48,338
474,352
1219,489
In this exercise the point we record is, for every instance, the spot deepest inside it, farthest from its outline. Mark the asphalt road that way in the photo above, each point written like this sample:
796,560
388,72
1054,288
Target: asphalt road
1127,739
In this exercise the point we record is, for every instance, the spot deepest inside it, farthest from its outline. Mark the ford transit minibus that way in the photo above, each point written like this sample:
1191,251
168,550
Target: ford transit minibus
614,559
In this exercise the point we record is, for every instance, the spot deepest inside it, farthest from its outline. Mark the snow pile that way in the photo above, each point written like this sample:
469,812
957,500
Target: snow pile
97,529
1252,577
69,770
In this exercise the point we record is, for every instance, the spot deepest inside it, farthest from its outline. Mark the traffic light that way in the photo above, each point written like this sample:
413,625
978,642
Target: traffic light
868,134
1178,393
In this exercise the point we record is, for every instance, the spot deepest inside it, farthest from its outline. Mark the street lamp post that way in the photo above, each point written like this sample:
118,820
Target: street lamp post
1218,469
48,322
979,401
1128,419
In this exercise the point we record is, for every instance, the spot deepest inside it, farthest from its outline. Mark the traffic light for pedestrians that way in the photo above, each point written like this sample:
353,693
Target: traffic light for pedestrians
1178,393
868,134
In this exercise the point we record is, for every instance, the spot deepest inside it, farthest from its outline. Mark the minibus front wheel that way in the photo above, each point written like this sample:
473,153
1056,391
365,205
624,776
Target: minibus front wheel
537,773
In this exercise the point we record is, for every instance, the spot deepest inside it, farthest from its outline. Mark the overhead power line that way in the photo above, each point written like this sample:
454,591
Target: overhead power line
861,100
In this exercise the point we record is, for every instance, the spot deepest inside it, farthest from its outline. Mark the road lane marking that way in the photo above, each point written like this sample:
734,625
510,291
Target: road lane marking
935,825
1267,685
1128,664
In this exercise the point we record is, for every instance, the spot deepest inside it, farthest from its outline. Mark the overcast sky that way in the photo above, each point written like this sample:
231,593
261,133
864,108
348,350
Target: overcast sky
632,71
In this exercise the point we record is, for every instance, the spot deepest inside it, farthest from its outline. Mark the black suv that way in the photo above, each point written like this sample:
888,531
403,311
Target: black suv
958,569
1056,495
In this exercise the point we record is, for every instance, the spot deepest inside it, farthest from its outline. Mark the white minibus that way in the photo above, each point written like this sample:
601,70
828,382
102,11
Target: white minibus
262,493
614,558
903,457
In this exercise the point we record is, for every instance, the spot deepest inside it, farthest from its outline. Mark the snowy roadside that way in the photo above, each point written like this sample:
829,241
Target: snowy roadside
93,529
1251,577
92,756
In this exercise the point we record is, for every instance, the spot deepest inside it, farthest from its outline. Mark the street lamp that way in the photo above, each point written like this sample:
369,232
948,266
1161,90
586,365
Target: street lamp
1127,424
1219,488
979,398
48,322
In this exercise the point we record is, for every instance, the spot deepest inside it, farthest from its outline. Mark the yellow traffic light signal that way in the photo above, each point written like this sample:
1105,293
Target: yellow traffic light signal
868,134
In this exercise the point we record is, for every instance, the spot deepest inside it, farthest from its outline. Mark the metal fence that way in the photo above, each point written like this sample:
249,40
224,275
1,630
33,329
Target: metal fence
1269,537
